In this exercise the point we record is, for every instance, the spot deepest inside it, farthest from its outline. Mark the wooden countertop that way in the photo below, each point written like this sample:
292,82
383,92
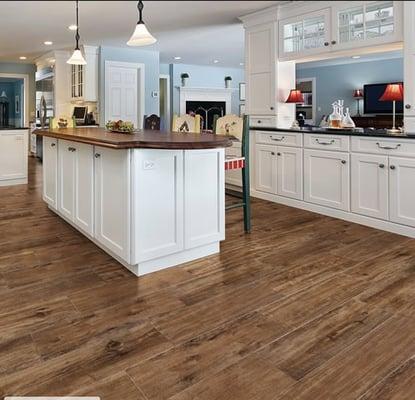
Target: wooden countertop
145,139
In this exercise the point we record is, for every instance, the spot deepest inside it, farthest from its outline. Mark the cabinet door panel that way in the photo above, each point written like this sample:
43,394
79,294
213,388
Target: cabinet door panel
204,197
327,178
402,190
290,172
50,171
112,200
84,187
66,181
266,168
13,160
369,182
158,206
260,93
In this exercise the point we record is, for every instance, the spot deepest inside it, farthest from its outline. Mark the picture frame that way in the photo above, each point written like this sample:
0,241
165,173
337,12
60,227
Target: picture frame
242,94
241,109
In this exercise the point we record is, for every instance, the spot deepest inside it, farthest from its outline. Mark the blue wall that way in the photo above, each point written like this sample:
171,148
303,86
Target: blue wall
147,57
338,81
27,69
204,76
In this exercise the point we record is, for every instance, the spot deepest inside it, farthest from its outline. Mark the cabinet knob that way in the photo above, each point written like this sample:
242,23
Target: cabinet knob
381,165
52,144
343,161
392,167
326,44
259,121
278,154
97,155
272,153
333,42
407,106
72,149
271,108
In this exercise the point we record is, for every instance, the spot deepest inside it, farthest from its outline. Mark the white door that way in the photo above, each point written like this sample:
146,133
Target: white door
13,155
266,168
409,65
369,185
121,93
66,181
261,69
112,200
402,190
158,203
234,176
50,171
290,172
84,187
204,197
327,178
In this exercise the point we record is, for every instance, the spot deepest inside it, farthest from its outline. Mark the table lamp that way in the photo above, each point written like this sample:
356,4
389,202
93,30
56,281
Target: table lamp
295,97
358,94
393,92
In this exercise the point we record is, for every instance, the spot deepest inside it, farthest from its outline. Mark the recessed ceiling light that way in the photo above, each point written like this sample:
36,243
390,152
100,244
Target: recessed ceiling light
52,60
355,57
48,43
23,58
177,58
72,27
215,61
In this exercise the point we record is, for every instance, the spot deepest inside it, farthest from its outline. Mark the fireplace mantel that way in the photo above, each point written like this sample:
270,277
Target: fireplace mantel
205,94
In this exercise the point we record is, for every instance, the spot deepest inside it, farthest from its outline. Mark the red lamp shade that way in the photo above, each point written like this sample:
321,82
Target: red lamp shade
295,96
358,93
393,92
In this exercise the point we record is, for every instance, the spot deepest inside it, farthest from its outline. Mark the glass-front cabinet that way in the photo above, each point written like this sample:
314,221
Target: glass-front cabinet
304,34
77,81
365,23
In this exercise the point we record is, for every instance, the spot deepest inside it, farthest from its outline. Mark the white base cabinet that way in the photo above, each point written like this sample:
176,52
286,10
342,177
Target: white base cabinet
13,157
149,209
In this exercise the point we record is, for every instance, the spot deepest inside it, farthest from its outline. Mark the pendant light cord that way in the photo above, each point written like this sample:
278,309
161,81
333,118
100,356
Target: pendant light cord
77,26
140,7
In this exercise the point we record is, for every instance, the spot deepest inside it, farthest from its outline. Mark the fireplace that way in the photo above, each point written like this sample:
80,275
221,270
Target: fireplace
207,111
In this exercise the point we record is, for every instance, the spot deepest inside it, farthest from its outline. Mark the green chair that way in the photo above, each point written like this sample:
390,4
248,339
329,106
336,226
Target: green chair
238,127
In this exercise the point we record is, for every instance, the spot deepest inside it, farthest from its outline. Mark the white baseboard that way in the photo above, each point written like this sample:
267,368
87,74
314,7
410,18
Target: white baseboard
11,182
331,212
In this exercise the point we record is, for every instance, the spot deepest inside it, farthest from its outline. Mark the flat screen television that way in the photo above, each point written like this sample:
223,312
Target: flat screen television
372,104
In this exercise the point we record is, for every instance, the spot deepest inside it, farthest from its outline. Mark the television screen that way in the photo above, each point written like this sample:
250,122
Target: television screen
372,105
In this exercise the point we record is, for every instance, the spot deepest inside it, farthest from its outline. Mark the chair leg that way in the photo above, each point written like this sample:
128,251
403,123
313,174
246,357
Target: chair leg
246,199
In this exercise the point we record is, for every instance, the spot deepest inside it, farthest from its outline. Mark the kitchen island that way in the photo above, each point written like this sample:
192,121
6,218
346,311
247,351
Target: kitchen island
151,199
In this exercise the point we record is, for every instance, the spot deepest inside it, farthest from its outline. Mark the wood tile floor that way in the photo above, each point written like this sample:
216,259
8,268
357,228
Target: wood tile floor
305,307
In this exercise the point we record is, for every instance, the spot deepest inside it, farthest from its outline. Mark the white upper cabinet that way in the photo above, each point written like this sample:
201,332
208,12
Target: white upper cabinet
84,78
305,34
366,23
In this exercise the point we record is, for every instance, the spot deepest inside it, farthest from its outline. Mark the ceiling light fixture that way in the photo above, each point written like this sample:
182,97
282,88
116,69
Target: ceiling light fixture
177,58
215,61
77,58
355,57
48,43
72,27
141,36
22,58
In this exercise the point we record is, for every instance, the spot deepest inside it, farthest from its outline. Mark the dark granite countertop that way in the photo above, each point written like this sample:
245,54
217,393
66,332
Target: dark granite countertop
355,132
11,128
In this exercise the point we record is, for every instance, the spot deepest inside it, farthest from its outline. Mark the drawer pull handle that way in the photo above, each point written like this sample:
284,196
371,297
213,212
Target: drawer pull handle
388,147
52,144
72,149
97,155
343,161
277,139
392,167
325,143
381,165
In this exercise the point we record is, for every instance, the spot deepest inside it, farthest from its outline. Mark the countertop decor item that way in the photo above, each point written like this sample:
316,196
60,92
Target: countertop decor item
120,126
358,94
77,58
295,97
228,80
393,92
184,76
141,35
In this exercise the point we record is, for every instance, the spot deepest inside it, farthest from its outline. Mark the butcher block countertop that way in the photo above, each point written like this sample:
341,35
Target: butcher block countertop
145,139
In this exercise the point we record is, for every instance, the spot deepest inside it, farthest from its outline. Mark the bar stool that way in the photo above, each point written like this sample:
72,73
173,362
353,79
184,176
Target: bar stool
186,123
152,122
239,128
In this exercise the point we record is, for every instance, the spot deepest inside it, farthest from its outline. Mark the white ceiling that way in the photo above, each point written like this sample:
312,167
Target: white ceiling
197,31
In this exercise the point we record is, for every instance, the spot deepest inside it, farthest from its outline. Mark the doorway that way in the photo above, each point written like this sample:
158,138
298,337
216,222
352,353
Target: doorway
164,84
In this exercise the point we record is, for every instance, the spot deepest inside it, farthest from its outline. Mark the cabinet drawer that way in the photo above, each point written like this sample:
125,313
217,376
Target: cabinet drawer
390,146
326,142
265,121
280,138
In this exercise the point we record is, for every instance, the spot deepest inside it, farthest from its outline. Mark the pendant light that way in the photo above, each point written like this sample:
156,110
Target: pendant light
141,36
77,58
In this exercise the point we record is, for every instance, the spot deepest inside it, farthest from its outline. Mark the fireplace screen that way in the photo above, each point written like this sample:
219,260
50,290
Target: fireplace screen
207,111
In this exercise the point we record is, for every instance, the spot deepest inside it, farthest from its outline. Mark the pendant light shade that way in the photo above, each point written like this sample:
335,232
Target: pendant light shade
141,35
77,58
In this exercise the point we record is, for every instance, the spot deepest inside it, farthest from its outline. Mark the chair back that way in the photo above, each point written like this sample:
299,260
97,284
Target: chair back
232,125
186,123
152,122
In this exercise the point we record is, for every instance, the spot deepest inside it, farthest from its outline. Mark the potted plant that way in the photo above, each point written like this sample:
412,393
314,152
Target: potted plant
228,81
185,77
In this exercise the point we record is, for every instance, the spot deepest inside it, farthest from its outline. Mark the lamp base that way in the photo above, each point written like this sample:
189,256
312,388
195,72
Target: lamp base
393,131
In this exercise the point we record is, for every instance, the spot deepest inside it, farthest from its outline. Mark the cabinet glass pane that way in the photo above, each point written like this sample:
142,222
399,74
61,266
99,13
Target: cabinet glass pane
379,19
306,34
351,25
